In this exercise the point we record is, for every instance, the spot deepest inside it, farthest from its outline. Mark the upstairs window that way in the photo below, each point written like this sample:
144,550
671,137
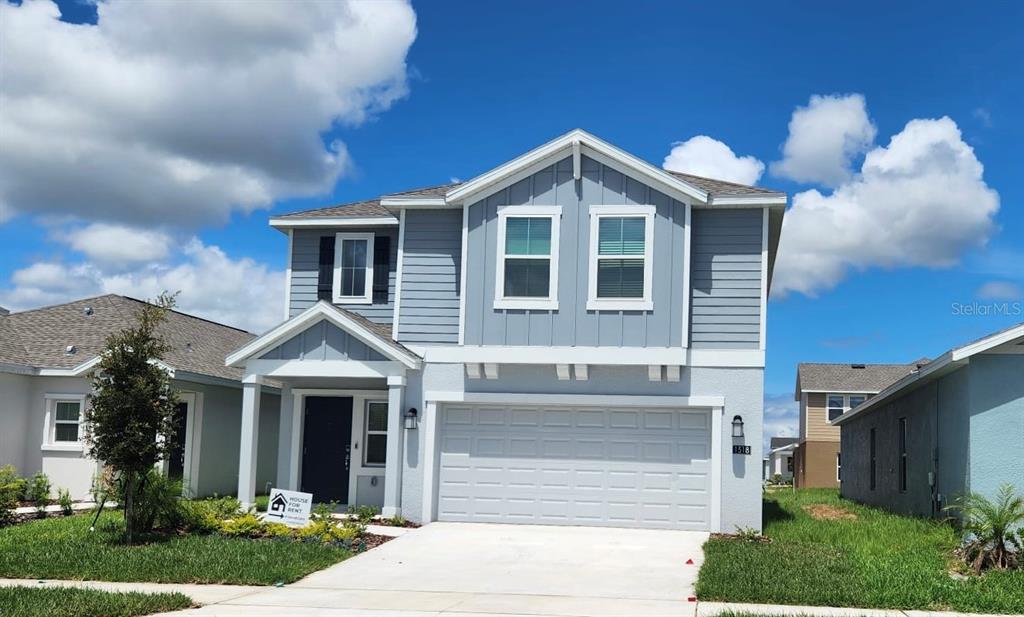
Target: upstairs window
527,264
353,268
621,249
838,404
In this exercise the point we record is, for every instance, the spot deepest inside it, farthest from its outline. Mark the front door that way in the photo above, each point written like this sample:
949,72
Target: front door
176,459
327,448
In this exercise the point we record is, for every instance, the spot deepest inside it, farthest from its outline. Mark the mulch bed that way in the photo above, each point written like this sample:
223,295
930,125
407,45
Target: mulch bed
372,540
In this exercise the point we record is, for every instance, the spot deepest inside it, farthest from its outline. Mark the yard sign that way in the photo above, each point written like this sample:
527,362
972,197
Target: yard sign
289,507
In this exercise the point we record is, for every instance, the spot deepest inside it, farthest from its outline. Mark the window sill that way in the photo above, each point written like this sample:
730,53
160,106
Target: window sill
539,304
617,305
62,447
352,300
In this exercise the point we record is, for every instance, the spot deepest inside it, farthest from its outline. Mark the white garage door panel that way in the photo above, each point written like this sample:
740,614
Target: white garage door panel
577,466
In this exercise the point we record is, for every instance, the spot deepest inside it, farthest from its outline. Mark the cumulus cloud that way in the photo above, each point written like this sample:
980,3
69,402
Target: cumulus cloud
824,137
1000,290
919,201
708,157
237,292
119,246
182,112
781,417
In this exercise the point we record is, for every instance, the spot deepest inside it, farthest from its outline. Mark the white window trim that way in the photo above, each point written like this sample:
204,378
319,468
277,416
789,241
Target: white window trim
846,401
549,303
367,297
50,423
645,303
367,432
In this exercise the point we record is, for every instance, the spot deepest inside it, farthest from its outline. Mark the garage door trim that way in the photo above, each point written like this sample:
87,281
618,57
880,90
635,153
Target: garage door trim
431,426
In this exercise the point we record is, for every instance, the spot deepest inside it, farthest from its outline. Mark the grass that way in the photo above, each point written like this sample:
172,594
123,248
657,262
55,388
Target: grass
64,548
878,560
262,501
71,602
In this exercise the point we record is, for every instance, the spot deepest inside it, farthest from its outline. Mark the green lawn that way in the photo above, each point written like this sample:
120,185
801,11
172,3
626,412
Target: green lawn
878,560
64,548
69,602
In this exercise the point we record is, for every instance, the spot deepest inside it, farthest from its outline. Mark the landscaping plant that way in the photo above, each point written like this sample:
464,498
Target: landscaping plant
11,489
363,514
130,418
993,529
38,492
64,499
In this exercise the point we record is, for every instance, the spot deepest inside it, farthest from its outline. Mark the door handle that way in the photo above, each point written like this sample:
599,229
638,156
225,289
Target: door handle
348,457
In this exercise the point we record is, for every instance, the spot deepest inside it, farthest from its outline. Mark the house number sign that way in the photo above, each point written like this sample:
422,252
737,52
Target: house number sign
741,450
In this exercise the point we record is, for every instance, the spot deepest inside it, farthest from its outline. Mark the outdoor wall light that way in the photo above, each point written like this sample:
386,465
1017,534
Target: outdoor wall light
737,426
411,418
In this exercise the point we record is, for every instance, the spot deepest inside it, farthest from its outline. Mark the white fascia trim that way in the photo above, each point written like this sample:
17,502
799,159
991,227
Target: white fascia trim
323,368
288,275
438,396
550,303
18,369
463,261
589,145
367,297
834,391
687,292
943,362
319,311
77,371
749,200
763,331
398,276
335,221
646,303
987,343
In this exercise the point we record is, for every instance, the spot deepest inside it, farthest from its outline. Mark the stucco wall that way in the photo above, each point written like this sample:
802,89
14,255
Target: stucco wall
14,397
222,434
996,422
742,389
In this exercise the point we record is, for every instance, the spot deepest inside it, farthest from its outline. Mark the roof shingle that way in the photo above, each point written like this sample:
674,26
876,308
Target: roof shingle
850,377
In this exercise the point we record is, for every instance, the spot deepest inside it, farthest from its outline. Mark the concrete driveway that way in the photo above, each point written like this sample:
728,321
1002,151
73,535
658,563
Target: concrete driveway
480,569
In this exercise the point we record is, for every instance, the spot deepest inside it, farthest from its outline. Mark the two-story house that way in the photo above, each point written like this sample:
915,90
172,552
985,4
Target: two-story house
574,337
825,392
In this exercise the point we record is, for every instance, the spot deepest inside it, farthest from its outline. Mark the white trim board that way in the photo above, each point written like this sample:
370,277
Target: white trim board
288,276
339,240
318,312
396,315
600,400
334,221
614,356
322,368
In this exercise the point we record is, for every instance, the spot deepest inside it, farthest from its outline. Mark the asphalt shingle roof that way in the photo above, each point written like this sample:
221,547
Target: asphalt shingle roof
369,208
722,187
40,337
778,442
851,377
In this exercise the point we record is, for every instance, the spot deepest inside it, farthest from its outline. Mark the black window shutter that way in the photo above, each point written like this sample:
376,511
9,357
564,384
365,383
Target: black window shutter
381,266
325,278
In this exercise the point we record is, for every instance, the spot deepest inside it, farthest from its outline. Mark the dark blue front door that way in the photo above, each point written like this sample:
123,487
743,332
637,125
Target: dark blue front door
326,451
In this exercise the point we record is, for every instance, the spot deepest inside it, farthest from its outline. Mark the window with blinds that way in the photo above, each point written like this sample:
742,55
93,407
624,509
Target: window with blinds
527,276
620,257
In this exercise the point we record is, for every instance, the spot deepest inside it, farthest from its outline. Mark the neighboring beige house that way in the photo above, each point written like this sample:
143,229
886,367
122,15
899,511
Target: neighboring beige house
46,356
825,392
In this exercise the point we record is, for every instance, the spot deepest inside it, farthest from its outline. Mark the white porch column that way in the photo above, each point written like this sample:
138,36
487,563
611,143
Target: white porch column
250,440
393,462
284,439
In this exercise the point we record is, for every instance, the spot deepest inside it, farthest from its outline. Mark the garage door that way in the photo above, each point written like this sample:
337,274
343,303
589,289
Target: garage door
618,467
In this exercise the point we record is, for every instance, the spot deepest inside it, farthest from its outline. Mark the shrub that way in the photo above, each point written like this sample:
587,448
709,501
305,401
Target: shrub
247,525
64,499
262,501
15,484
38,492
157,501
363,514
11,489
397,521
324,529
993,529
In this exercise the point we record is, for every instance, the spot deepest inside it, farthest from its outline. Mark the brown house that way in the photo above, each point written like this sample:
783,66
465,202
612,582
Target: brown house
825,392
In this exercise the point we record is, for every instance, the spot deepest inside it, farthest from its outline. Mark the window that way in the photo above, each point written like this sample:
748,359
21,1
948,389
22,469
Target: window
376,437
527,264
353,268
64,421
871,456
838,404
789,464
621,249
839,467
903,453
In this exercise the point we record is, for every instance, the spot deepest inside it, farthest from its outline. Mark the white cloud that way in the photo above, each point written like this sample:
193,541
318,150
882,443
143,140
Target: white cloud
781,417
181,112
708,157
242,292
920,201
119,246
1000,290
824,137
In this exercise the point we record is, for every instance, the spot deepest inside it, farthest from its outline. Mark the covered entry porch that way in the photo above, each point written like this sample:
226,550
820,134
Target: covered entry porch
342,383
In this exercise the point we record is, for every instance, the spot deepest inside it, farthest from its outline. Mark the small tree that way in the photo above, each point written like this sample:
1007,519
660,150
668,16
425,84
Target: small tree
993,528
130,417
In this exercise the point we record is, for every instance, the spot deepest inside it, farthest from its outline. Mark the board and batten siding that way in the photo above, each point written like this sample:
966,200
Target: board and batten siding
431,263
323,341
726,278
572,324
305,271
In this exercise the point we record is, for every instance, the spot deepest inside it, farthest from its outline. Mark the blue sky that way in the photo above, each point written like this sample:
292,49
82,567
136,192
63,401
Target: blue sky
483,82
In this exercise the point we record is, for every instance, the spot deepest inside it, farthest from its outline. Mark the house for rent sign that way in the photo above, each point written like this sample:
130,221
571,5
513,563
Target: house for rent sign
289,507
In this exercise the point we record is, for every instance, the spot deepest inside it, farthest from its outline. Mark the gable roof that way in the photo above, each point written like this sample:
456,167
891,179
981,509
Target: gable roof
703,190
948,362
39,338
867,378
376,336
779,442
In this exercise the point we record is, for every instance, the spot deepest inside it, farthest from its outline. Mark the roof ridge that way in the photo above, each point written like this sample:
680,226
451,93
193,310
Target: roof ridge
59,304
